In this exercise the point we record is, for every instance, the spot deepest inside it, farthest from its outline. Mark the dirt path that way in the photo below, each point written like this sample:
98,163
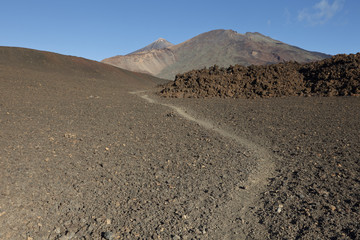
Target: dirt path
243,196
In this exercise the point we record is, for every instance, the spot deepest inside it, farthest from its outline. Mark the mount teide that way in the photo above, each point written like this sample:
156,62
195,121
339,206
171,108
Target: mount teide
158,44
221,47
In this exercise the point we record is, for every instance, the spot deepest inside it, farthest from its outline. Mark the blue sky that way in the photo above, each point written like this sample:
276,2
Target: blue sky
100,29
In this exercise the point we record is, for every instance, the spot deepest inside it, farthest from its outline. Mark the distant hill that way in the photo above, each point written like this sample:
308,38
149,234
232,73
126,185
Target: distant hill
220,47
23,64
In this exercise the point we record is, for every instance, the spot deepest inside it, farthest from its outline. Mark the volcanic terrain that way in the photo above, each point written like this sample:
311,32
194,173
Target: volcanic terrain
90,151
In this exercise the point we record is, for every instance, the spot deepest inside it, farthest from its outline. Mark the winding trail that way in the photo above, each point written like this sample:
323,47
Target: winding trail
245,197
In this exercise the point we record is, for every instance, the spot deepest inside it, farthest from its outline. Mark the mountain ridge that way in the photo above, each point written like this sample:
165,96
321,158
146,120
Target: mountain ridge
220,47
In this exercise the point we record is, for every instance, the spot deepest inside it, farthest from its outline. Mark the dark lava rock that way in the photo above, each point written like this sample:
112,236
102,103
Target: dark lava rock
336,76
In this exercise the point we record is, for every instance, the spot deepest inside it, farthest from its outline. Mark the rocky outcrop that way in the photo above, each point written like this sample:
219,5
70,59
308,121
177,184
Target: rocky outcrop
337,76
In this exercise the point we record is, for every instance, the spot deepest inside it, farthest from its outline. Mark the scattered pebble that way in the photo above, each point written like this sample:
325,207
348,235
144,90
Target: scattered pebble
67,236
107,235
176,237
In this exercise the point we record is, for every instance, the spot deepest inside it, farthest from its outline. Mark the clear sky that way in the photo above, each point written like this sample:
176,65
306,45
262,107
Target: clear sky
97,29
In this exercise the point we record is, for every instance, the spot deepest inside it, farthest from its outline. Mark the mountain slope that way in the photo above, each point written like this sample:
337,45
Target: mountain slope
150,62
221,47
50,66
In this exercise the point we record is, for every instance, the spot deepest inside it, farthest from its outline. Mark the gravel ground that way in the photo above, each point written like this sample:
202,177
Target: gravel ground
97,162
314,192
82,158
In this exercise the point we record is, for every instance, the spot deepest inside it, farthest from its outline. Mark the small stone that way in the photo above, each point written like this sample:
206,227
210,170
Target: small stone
324,193
64,238
186,237
67,223
176,237
107,235
68,236
90,228
279,208
108,221
332,207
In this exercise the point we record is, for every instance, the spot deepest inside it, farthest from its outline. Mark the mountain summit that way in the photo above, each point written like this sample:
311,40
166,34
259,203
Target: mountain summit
220,47
161,43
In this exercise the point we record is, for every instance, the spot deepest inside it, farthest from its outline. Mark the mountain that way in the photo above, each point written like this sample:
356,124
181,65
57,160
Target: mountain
158,44
220,47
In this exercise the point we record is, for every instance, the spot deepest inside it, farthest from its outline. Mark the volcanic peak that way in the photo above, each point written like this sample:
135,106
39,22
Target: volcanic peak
161,43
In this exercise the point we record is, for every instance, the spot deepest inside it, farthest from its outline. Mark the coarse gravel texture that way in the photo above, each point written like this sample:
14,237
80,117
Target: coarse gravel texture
314,192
